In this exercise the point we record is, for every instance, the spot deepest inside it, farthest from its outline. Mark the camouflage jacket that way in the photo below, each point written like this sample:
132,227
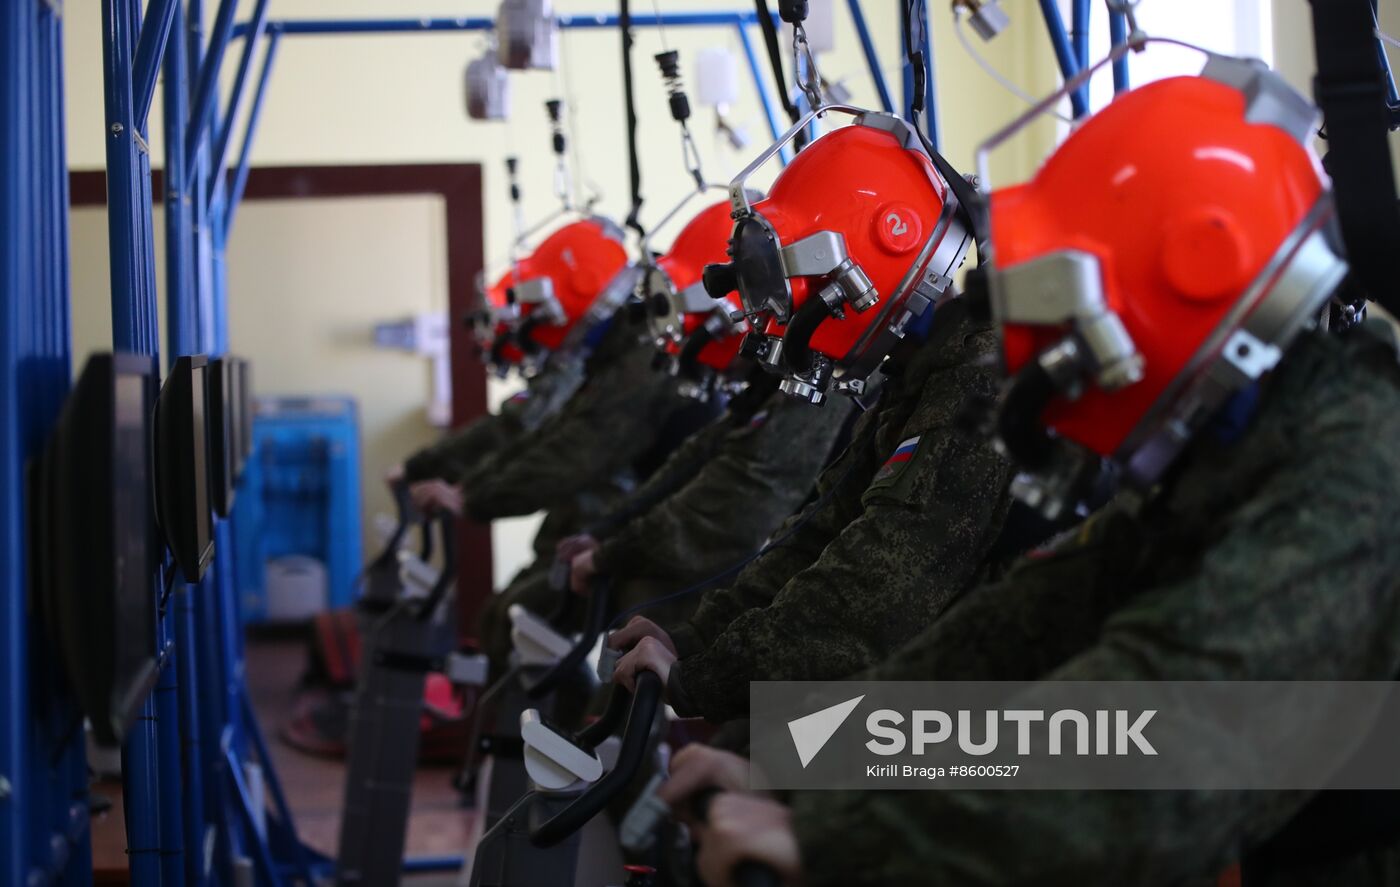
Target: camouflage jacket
1271,558
721,494
906,520
544,395
585,453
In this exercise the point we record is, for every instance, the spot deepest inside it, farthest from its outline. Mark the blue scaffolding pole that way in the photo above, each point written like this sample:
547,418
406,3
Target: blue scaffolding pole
43,771
1065,52
1118,35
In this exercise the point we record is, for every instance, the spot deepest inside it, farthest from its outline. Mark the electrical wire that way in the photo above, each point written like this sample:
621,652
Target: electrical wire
581,177
660,28
990,69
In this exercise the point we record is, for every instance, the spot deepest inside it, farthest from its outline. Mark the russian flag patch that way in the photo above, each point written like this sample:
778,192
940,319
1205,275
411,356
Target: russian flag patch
901,455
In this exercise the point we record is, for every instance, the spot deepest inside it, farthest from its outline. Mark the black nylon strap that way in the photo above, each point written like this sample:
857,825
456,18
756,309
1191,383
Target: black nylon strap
1350,89
775,58
625,25
971,206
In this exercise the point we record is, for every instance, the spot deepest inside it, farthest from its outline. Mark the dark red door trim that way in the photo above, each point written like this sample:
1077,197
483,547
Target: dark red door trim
459,184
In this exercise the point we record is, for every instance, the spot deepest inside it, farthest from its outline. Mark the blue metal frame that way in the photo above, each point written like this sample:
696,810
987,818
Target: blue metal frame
149,52
1117,36
257,26
240,176
205,98
43,771
756,72
1065,53
872,59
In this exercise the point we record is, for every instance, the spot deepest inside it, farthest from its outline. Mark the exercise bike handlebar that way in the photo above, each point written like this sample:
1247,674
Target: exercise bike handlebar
619,703
447,578
568,603
747,872
646,702
403,505
596,623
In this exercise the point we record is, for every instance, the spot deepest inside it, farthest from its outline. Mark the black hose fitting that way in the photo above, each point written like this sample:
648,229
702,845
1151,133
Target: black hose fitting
1018,423
688,364
797,347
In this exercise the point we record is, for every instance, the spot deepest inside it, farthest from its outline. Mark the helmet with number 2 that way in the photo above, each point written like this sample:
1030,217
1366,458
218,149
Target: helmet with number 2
1159,262
858,236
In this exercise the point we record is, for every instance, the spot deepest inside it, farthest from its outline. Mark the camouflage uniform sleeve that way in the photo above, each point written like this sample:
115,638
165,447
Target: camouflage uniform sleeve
611,421
682,465
921,540
455,454
461,451
733,501
1296,583
801,539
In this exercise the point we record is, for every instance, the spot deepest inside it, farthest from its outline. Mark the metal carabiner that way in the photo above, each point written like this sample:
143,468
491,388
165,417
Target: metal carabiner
809,79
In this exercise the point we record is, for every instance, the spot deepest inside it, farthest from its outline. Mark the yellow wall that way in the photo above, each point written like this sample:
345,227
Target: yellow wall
399,98
312,278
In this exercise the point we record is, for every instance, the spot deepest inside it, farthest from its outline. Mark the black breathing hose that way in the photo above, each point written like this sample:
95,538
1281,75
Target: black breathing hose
1018,421
688,363
797,339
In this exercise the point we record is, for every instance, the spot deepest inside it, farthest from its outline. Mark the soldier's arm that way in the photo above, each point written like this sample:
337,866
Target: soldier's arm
606,426
1298,584
461,452
732,501
926,530
800,541
678,469
455,455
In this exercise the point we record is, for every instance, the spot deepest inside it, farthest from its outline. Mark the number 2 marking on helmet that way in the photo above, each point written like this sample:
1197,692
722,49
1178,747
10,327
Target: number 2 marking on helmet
898,227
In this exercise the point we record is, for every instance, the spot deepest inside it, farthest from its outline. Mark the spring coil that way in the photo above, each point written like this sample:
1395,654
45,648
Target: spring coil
670,64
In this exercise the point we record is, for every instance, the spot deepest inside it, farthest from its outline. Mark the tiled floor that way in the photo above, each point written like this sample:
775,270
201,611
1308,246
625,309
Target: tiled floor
314,786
